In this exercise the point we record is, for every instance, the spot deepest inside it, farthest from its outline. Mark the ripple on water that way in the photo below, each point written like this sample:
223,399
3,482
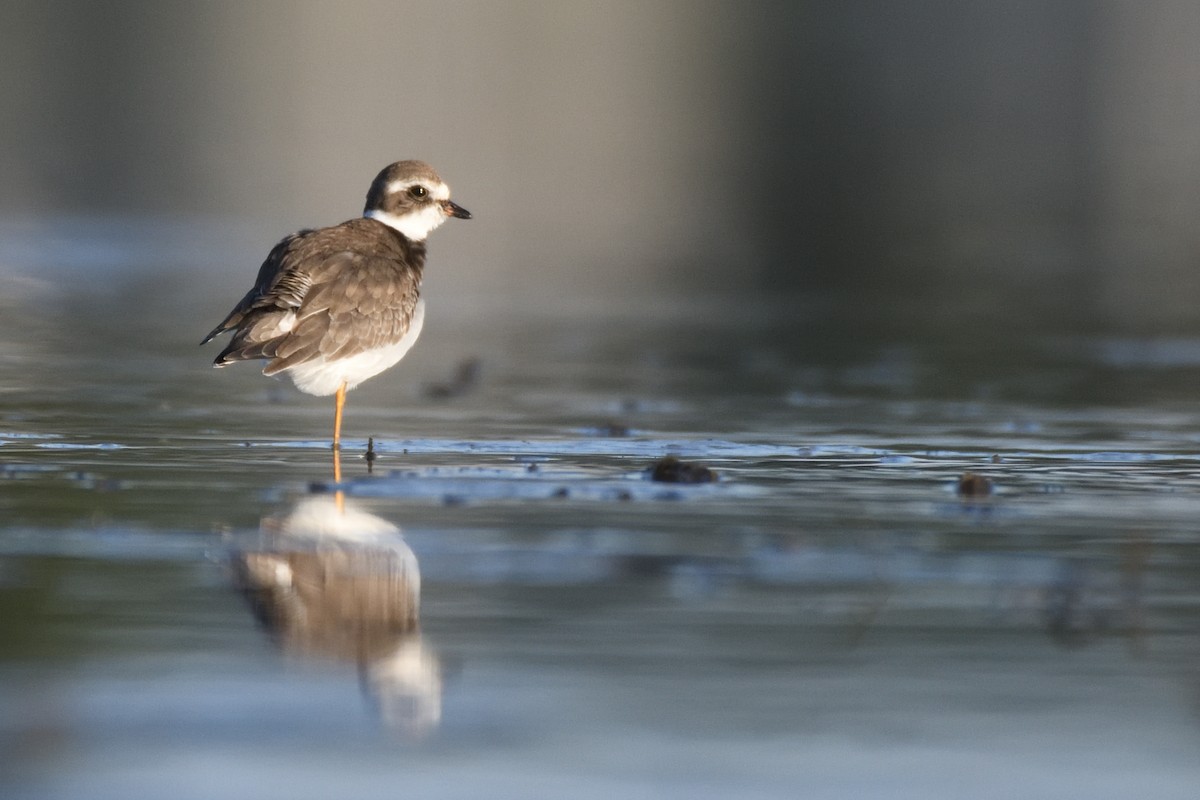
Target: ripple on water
526,448
456,485
81,446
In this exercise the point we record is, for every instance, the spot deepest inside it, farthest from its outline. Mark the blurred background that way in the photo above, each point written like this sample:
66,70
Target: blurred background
953,161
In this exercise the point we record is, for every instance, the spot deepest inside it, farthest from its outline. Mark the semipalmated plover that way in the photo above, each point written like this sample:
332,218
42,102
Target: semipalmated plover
334,306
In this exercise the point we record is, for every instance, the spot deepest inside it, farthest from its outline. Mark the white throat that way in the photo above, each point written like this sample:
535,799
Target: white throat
416,225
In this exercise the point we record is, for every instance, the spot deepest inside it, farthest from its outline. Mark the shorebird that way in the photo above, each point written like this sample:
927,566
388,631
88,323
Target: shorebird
334,306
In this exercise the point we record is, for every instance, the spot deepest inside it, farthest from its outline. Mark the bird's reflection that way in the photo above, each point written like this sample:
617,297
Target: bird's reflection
334,581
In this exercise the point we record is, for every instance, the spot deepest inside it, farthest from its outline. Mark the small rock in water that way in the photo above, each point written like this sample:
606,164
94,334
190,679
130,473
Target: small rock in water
669,469
972,484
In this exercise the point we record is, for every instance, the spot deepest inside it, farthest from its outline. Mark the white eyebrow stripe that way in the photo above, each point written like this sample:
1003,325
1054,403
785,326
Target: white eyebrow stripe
399,186
439,190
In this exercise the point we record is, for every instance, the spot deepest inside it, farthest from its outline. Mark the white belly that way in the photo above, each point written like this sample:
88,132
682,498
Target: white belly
321,377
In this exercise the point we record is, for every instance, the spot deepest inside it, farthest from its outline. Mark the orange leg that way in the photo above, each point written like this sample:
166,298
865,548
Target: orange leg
339,403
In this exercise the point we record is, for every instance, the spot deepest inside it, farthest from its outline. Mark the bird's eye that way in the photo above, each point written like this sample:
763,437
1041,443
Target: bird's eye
418,191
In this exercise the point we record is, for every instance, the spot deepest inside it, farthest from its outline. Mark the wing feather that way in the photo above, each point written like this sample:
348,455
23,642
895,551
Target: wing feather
315,299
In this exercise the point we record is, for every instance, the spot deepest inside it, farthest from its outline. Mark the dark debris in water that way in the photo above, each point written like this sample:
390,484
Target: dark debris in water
371,455
669,469
972,484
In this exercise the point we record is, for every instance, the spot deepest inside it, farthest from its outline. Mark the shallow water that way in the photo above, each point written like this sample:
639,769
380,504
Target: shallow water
189,610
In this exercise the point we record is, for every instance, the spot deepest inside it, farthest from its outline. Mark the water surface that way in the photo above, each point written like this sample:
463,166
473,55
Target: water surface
506,605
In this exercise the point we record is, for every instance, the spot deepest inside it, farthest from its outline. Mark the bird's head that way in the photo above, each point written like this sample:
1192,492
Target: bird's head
410,197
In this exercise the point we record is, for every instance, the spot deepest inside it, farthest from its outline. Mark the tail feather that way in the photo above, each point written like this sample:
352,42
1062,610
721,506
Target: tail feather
229,323
239,350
